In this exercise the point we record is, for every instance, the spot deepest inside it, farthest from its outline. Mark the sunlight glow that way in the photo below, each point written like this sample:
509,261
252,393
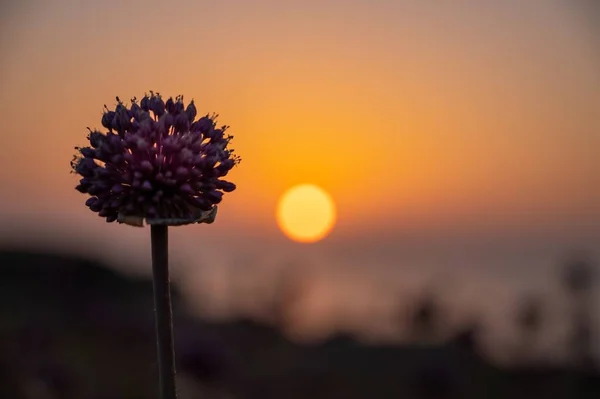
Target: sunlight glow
306,213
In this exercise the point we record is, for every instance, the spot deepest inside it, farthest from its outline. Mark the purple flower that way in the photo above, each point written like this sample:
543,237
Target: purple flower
157,163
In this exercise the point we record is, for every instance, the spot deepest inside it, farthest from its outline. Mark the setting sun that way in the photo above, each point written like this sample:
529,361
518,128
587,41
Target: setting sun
306,213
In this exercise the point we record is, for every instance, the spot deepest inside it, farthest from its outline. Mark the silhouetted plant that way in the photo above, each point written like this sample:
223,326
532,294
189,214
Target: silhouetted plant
156,164
529,321
578,276
425,317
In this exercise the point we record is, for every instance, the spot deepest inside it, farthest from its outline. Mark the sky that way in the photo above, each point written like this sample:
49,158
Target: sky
458,139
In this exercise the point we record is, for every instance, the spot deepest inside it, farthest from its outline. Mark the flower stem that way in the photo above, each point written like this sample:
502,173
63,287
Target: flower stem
163,311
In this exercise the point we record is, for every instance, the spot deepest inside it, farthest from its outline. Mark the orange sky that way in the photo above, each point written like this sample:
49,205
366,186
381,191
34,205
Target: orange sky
416,116
422,110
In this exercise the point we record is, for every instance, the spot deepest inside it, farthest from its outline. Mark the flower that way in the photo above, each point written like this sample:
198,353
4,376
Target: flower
157,163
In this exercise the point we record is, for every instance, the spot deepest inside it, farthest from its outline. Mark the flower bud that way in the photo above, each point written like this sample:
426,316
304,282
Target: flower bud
145,103
181,123
157,105
164,124
146,167
117,189
146,186
86,167
225,186
82,188
135,111
182,173
115,203
179,105
186,189
107,119
216,135
94,190
170,105
96,139
88,152
225,167
191,112
214,196
121,120
116,159
96,206
204,125
91,201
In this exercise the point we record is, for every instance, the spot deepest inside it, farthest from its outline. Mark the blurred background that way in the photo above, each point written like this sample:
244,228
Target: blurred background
458,140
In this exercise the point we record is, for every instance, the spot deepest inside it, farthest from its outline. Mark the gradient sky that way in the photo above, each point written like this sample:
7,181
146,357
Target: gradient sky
453,136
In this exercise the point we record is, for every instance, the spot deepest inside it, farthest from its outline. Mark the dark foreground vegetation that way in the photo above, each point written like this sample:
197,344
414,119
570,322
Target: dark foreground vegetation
72,328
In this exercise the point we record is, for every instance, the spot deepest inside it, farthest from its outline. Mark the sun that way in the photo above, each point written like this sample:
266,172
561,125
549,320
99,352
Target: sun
306,213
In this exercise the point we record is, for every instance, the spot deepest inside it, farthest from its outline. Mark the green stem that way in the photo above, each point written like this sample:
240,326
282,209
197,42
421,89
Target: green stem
163,311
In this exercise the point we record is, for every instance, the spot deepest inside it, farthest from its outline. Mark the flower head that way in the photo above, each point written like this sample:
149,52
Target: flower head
156,162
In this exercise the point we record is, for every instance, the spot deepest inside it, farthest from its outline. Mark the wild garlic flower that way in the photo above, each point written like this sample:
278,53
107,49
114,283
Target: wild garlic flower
155,163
